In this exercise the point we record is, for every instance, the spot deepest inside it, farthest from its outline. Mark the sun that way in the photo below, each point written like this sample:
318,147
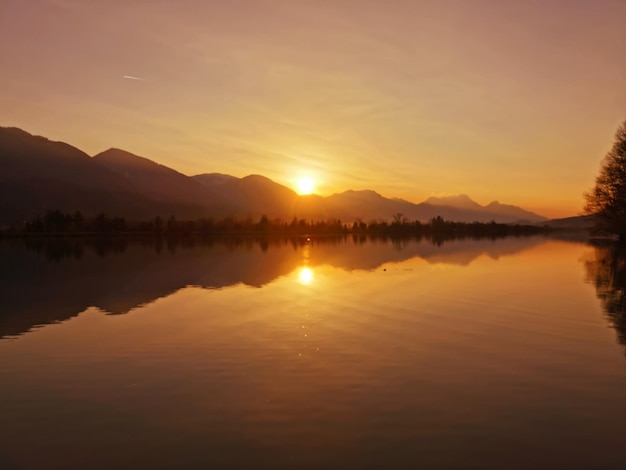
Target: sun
305,185
305,276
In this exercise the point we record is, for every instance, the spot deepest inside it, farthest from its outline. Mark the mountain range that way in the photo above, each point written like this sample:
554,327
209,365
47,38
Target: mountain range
38,174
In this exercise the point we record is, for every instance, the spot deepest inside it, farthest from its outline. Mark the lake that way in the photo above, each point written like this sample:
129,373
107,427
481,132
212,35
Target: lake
323,353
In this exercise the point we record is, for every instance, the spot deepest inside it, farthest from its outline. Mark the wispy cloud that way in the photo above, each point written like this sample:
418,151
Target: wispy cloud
130,77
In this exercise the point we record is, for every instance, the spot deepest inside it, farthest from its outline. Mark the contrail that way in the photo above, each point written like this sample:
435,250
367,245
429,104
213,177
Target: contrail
130,77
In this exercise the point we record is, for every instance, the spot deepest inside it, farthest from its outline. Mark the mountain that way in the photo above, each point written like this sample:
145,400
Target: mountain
39,175
369,205
492,211
516,213
156,180
214,181
253,195
461,201
256,195
172,191
366,205
580,222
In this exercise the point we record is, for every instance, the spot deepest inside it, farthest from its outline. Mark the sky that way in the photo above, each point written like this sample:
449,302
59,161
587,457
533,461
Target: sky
501,100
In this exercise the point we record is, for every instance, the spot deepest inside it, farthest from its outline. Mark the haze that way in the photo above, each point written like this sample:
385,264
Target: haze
515,101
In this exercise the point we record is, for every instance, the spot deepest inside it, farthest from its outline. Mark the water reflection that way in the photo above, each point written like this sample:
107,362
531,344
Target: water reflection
47,281
606,270
385,360
59,249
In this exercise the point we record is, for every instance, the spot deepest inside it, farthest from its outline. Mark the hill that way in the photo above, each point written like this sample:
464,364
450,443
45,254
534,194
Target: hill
168,190
39,174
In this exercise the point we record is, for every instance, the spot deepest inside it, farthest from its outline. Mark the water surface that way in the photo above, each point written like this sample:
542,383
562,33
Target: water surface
347,353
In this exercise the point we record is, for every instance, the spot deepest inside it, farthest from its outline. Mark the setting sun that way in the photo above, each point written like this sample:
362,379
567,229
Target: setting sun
305,276
305,185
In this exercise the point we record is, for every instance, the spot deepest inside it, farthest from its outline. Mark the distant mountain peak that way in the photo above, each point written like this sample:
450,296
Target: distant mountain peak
16,131
461,201
115,155
358,192
255,177
453,197
16,134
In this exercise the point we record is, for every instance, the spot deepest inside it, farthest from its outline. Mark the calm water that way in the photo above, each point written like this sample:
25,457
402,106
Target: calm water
294,354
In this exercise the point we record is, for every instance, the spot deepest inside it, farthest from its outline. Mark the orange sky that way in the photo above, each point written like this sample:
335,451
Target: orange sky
515,101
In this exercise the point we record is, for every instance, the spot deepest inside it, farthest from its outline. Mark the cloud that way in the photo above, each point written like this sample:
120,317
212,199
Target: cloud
130,77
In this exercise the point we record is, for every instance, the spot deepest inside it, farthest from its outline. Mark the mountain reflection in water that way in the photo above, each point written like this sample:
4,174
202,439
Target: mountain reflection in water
308,354
46,281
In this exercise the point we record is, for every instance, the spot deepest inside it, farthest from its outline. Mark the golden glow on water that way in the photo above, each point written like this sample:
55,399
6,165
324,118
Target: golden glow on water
367,349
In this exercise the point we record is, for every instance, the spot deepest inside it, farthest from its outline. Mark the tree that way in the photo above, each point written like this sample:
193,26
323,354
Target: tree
607,200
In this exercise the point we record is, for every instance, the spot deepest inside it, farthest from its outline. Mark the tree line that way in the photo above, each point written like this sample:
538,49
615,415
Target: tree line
57,222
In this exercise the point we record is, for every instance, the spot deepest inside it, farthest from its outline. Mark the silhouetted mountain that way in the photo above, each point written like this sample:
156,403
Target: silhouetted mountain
177,193
252,196
370,205
581,222
461,201
517,214
366,205
503,213
426,211
256,195
39,175
215,181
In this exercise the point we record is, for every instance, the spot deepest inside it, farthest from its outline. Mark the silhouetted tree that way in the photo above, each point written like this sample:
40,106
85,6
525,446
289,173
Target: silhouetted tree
399,218
263,223
607,200
58,223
